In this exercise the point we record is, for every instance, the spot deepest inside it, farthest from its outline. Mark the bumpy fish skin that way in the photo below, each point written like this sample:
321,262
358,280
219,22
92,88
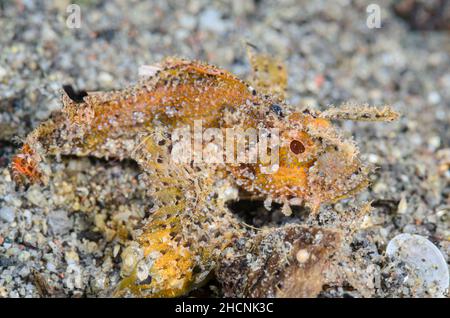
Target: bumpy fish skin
190,226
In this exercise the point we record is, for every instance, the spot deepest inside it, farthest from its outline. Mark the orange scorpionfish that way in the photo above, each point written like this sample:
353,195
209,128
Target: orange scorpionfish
190,225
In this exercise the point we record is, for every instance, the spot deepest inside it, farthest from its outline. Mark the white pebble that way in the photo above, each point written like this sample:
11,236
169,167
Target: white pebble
302,256
434,98
105,78
427,260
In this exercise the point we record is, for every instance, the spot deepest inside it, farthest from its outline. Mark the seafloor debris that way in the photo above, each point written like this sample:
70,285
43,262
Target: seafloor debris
419,264
190,228
425,14
283,262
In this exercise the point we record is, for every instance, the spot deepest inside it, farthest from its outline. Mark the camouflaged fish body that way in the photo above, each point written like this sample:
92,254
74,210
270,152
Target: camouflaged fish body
190,226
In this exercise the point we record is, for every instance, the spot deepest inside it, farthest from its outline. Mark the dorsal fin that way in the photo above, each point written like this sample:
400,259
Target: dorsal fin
269,74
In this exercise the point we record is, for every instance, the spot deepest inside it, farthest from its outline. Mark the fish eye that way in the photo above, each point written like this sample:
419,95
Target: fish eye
297,147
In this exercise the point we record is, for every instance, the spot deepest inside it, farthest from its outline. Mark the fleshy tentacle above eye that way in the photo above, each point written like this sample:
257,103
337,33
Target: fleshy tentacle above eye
349,111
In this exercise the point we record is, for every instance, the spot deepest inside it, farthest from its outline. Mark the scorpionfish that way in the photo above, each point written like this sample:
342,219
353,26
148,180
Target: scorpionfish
181,242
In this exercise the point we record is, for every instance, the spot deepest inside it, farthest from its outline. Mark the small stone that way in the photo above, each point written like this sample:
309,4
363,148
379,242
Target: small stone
142,271
434,98
71,257
59,222
309,102
51,267
48,34
24,256
286,209
428,266
188,22
211,20
116,250
229,194
99,282
434,143
268,203
7,214
373,158
5,261
302,256
3,73
402,206
367,222
380,187
74,277
7,243
130,257
35,196
105,78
